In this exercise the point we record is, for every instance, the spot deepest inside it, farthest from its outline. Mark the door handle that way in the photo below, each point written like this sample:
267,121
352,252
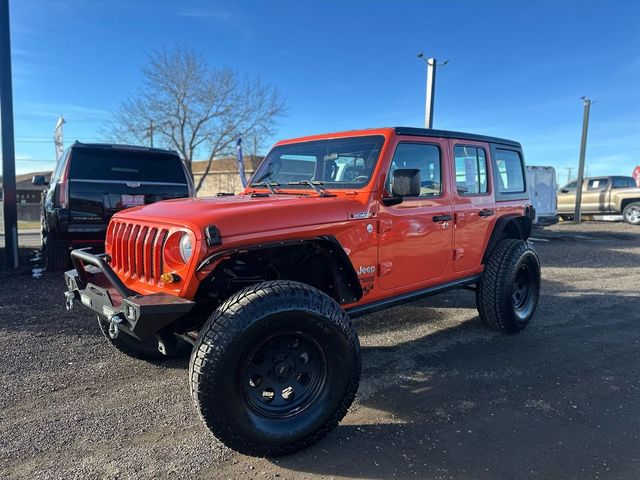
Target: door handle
442,218
486,213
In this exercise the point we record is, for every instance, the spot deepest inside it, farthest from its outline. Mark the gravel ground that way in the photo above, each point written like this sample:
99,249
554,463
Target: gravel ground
441,397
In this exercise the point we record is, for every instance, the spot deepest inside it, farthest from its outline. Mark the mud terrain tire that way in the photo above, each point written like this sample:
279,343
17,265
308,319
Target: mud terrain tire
275,368
508,294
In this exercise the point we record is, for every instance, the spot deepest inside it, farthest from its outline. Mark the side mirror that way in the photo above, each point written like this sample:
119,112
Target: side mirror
406,183
564,190
39,180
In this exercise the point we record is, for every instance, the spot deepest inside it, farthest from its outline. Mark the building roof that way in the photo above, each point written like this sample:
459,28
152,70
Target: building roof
23,182
226,164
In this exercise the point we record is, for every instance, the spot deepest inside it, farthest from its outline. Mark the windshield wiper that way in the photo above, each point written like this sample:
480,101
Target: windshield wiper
271,186
315,185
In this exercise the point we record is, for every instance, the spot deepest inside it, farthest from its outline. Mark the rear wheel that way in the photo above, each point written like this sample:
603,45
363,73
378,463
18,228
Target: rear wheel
275,368
56,253
508,294
631,213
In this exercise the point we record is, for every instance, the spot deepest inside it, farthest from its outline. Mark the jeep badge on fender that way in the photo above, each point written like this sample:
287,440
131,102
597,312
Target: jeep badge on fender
262,286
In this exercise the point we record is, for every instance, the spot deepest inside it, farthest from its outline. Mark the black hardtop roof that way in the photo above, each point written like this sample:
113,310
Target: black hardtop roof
117,146
430,132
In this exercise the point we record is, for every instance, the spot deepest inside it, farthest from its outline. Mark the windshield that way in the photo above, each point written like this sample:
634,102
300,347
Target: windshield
337,163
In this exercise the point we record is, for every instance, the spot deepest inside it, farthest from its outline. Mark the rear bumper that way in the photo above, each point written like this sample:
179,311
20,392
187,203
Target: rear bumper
96,287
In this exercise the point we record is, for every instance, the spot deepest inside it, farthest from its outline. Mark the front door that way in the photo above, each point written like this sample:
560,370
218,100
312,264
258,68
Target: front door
415,236
474,204
567,199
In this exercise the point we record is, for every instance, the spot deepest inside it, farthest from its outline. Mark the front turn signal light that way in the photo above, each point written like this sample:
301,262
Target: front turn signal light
170,277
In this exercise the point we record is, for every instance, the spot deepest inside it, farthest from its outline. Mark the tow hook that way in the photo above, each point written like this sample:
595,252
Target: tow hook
69,298
114,321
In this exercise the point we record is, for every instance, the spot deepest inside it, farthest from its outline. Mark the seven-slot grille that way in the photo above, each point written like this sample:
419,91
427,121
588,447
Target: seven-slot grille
138,250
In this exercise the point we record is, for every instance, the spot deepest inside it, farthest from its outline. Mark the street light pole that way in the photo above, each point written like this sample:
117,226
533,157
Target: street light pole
583,149
432,64
8,147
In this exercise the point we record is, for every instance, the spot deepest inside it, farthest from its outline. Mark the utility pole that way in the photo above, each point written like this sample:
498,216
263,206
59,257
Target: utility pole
151,133
583,149
569,172
432,64
8,147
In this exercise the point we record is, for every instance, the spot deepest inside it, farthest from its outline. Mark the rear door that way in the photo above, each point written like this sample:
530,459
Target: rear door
104,180
541,183
474,203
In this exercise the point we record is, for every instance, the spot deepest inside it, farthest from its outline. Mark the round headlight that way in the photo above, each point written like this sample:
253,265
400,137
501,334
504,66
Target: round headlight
186,248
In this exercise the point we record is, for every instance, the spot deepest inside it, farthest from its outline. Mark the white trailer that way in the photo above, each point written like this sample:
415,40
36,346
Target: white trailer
543,188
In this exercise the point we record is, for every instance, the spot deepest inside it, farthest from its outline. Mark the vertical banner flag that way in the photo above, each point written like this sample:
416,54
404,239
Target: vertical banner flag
57,138
240,161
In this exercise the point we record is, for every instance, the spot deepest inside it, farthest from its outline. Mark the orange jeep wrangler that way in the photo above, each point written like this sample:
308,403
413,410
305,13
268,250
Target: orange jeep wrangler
261,287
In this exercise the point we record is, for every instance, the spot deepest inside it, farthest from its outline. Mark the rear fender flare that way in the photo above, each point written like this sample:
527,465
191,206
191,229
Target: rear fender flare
508,226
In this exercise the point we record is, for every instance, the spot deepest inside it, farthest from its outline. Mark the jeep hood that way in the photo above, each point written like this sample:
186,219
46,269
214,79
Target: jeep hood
244,214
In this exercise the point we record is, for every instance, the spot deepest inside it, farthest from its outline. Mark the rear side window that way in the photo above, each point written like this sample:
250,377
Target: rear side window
471,170
125,165
425,158
510,171
597,184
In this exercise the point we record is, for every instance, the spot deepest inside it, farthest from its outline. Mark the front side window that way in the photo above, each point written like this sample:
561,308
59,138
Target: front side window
510,171
336,163
423,157
570,187
471,170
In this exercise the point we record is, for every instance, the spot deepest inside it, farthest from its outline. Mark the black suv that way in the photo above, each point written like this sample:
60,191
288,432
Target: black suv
93,181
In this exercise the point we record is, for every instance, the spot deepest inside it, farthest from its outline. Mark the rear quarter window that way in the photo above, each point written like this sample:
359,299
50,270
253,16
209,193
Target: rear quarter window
126,165
509,171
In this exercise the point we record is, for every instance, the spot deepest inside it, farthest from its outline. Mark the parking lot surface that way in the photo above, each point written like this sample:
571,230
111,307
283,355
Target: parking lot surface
441,396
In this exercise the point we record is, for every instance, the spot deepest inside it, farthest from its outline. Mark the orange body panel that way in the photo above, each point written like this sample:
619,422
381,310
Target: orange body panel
395,249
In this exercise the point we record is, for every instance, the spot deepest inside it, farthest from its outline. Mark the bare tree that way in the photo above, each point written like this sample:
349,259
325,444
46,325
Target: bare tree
195,109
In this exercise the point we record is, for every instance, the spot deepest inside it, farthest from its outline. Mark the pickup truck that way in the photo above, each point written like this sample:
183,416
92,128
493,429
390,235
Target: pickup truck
261,287
613,195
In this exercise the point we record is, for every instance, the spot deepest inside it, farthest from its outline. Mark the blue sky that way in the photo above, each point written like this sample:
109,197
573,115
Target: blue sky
517,69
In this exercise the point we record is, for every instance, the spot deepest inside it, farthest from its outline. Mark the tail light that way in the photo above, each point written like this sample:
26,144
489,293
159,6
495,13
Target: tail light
62,190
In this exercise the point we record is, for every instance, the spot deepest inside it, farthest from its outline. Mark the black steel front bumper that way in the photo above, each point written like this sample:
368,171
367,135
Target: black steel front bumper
96,286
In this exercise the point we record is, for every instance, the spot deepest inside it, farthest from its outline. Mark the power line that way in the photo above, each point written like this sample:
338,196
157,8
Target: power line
37,160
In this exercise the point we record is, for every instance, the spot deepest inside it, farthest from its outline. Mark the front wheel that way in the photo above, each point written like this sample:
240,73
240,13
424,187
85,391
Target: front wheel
631,213
275,368
508,294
